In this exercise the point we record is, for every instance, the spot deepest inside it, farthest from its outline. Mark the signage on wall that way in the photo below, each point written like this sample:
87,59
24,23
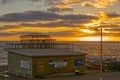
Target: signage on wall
78,62
57,63
25,64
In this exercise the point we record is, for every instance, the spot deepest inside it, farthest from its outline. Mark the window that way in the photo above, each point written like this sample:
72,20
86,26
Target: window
25,64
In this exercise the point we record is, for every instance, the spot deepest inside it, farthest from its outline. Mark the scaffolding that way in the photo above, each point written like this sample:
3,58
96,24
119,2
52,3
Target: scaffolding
38,41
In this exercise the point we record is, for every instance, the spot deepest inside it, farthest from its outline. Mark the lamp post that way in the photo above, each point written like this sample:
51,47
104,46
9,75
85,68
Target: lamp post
101,54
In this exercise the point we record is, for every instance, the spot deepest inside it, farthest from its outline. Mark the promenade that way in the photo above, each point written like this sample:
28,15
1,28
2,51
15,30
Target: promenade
106,76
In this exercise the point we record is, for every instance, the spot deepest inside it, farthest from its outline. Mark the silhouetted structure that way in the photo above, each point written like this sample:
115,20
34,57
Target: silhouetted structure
37,41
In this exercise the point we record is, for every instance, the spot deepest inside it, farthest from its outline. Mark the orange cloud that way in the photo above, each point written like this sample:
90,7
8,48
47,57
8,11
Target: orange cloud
92,3
72,1
98,3
109,16
62,6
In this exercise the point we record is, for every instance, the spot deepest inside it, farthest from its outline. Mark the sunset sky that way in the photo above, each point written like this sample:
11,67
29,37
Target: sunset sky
67,20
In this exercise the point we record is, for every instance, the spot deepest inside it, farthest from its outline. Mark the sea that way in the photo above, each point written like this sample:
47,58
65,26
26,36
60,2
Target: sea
91,48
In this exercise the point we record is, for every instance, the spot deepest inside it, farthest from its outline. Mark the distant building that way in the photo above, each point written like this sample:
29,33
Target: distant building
39,54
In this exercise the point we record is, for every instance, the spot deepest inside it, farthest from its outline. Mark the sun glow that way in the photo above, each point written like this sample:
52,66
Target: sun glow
93,38
93,24
87,31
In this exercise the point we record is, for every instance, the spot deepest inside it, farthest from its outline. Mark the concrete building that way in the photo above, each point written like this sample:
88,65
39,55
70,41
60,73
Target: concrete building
34,60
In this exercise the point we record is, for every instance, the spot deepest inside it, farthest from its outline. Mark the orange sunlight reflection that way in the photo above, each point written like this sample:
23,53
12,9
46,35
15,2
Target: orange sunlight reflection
9,38
68,38
92,38
87,31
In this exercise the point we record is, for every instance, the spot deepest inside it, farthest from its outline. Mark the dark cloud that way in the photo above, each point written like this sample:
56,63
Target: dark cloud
29,16
78,17
113,15
114,29
58,6
56,24
9,27
62,33
6,1
55,9
7,33
50,24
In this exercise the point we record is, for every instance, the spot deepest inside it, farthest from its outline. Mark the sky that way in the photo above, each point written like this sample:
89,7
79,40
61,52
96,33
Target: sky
64,20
